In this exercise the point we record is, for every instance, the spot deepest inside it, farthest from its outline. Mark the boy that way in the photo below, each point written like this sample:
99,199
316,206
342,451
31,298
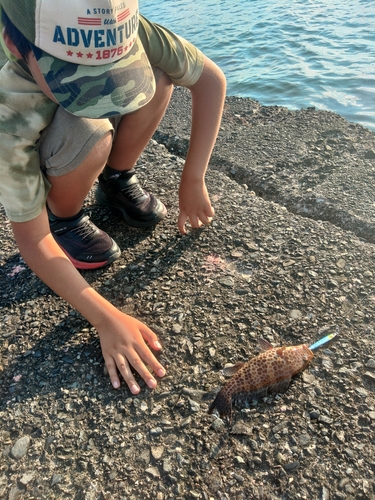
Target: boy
83,91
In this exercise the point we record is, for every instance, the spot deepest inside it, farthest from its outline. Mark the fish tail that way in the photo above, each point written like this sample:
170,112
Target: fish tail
222,404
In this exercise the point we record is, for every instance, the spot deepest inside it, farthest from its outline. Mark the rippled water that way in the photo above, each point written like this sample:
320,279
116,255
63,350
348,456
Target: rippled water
289,53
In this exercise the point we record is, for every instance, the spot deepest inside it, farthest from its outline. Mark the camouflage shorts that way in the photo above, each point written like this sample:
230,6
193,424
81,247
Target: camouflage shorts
68,139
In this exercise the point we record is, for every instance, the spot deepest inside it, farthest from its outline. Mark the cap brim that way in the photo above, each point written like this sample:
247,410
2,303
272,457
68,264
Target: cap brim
117,88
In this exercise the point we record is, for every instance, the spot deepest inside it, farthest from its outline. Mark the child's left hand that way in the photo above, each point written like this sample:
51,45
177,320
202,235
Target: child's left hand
194,203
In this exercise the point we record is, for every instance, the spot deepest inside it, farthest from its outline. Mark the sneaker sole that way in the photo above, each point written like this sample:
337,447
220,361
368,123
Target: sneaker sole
78,264
104,200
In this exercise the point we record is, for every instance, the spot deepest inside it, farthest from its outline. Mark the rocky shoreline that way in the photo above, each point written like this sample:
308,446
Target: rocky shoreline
289,257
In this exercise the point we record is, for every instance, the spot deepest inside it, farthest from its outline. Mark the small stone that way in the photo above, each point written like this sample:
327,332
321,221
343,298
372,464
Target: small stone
325,419
240,429
295,314
217,424
194,406
153,471
157,452
156,431
20,448
344,482
236,254
370,376
325,493
195,494
26,478
361,391
56,478
371,414
370,363
167,466
176,328
239,460
341,263
185,422
228,282
304,439
144,456
291,466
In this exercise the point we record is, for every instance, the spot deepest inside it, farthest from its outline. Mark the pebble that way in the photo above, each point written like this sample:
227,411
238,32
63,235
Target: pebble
194,406
228,282
295,314
304,439
325,493
20,448
156,431
217,424
343,482
370,376
26,478
56,478
167,466
370,363
153,471
291,466
157,452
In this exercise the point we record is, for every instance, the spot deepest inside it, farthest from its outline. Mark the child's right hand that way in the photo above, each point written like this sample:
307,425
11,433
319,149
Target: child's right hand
123,345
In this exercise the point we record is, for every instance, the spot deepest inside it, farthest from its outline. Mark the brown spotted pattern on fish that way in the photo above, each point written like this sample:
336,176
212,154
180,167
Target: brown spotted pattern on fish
269,372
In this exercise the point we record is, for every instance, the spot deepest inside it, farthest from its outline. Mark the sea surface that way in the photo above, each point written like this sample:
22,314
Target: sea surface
289,53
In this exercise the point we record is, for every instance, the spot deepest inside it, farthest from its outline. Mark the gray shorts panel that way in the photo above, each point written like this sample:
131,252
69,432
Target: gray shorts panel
66,142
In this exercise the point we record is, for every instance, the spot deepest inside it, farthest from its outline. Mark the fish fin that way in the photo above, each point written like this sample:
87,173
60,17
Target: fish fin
264,345
281,386
228,371
222,405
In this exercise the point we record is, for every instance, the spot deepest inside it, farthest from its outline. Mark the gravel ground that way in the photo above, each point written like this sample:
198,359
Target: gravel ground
289,257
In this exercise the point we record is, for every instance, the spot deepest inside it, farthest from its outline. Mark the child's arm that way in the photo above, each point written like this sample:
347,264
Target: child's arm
208,95
122,337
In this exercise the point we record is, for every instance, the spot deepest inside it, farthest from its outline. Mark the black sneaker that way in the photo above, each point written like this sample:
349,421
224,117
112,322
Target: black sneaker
87,246
139,208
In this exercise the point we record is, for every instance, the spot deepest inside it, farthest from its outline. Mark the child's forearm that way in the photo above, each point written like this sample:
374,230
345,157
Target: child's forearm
208,96
122,337
42,254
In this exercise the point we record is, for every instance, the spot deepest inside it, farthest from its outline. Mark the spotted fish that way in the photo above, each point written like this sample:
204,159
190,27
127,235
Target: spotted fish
269,372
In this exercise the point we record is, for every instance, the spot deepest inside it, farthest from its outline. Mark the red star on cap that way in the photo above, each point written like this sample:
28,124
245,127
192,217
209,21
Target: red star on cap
69,52
89,55
79,54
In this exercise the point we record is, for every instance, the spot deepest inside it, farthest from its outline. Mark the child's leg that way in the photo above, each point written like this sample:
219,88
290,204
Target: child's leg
118,185
136,129
78,182
73,151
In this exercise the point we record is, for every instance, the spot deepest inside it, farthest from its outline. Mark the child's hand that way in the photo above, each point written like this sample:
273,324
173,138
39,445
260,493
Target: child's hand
195,204
123,346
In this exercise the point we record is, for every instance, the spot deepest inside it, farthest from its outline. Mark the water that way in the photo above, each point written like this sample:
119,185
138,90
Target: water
282,52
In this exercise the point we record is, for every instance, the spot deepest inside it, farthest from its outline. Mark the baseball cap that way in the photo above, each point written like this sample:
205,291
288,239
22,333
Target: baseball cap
89,53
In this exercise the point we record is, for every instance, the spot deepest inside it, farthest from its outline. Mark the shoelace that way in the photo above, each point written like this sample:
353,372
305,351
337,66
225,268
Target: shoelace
85,229
134,192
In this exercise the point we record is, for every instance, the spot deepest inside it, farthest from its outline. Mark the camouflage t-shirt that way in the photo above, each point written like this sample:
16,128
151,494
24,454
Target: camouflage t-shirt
25,111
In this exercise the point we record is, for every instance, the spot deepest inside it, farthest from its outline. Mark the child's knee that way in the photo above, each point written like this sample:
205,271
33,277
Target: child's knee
101,150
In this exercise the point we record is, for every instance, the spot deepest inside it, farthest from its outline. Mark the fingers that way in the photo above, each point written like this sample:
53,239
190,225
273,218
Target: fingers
125,371
123,365
196,221
181,222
